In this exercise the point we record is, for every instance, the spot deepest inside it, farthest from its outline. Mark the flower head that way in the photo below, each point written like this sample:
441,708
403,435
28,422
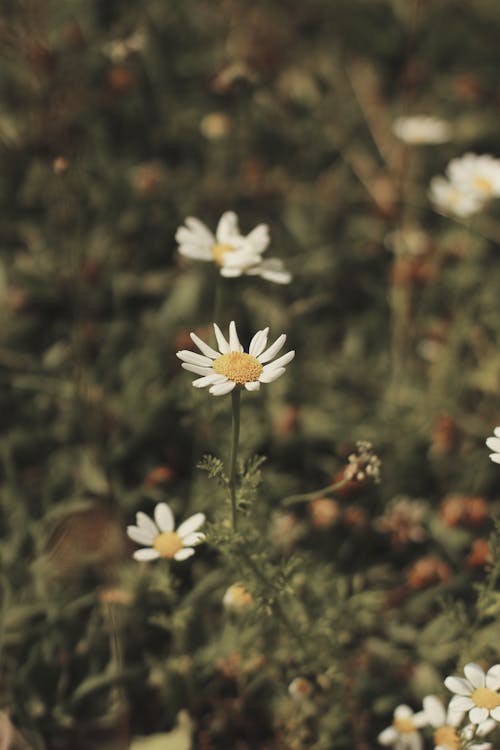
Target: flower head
421,130
231,367
237,598
477,175
234,253
446,722
403,732
161,538
363,463
493,444
477,693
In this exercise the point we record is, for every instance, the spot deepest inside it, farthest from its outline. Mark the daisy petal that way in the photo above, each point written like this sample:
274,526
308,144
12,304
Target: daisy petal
493,677
195,252
258,238
458,685
147,553
434,711
234,342
258,343
141,536
200,229
493,444
193,539
475,675
220,389
460,703
273,349
184,553
209,380
495,712
145,523
477,715
197,369
193,358
164,517
221,341
205,348
496,432
388,736
268,376
227,228
191,524
254,385
283,360
495,457
403,712
230,273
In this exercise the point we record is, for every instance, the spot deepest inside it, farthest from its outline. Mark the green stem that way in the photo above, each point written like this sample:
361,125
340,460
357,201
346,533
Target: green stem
235,395
292,499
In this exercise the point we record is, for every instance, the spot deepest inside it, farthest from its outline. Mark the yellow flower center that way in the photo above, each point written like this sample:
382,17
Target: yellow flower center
238,367
167,544
483,185
485,698
219,250
448,737
404,726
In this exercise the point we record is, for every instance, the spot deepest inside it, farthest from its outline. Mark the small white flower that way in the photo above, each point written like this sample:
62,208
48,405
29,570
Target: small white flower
477,175
403,732
451,199
446,722
493,444
421,130
162,539
477,694
229,367
234,253
300,689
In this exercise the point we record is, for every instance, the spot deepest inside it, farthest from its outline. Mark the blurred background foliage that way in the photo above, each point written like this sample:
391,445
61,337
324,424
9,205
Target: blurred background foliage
118,120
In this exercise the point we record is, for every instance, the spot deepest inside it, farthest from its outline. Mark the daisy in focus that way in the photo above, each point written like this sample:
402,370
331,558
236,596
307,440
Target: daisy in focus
160,537
420,130
445,724
234,253
403,733
493,444
231,367
477,693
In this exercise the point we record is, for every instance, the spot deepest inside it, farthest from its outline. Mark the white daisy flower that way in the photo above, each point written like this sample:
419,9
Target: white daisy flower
446,722
403,732
476,175
451,199
237,598
421,130
493,444
230,367
477,694
162,539
234,253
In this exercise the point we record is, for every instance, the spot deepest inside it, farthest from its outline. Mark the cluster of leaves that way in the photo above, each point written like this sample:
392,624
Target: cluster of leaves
119,119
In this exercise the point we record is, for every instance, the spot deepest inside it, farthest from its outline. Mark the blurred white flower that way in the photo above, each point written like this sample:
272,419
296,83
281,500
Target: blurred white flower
230,367
446,723
162,539
421,130
403,732
300,689
493,444
233,253
450,199
477,693
237,598
476,175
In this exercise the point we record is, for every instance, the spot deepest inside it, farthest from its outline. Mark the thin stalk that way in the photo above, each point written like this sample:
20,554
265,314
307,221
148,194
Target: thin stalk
292,499
235,437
